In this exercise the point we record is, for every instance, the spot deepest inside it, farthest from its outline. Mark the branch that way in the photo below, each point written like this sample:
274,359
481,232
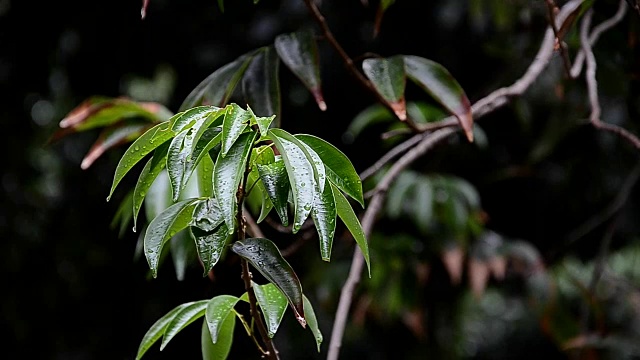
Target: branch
559,44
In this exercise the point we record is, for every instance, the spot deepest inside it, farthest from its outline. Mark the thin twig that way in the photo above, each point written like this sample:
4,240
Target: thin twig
559,44
254,229
397,150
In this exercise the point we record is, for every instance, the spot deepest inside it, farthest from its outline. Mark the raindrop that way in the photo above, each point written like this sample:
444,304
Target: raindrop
136,148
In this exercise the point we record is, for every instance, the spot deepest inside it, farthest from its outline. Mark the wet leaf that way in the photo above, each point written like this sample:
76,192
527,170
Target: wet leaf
349,218
205,175
209,139
165,226
324,217
228,173
275,181
149,173
218,310
388,77
176,159
311,319
210,245
338,168
185,316
273,304
257,187
261,84
299,52
182,250
157,330
221,349
158,196
235,121
111,137
443,87
264,255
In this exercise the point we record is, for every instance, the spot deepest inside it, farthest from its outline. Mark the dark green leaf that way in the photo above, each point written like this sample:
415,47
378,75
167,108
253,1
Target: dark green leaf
374,114
221,349
339,169
266,258
182,250
349,218
185,316
147,177
276,184
382,8
311,319
210,245
273,304
258,193
423,204
165,226
218,310
299,52
157,330
228,173
438,82
388,77
111,137
397,196
324,217
205,175
235,121
261,84
221,5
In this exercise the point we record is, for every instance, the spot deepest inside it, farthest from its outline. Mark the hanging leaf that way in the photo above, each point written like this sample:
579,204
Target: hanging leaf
209,139
210,245
157,330
398,193
301,175
275,180
374,114
324,217
273,304
261,84
182,250
176,159
443,87
266,258
207,215
388,77
163,227
218,310
205,175
235,121
101,112
423,204
218,87
228,173
123,215
339,169
158,196
349,218
311,319
111,137
221,349
382,8
185,316
149,173
257,187
299,52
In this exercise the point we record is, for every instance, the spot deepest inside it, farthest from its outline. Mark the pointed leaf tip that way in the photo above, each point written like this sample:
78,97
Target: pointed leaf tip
143,11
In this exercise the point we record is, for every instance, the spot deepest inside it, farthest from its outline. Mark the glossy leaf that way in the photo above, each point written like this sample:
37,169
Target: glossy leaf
349,218
218,87
312,321
257,187
182,249
441,85
205,175
157,330
210,245
158,196
261,84
264,123
218,310
185,316
209,139
163,227
145,144
228,173
189,118
299,52
276,184
176,159
111,137
235,121
273,304
339,169
221,349
149,173
388,77
301,176
264,255
324,217
143,11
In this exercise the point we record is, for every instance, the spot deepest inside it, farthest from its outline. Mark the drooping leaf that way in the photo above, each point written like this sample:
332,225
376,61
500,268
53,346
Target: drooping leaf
228,173
261,84
339,169
319,167
301,175
264,255
273,304
111,137
123,215
210,245
157,330
218,310
149,173
275,180
182,249
299,52
397,195
218,87
207,215
209,139
176,159
221,349
324,217
349,218
423,204
311,319
259,192
436,80
101,112
235,121
388,77
188,118
205,175
163,227
374,114
158,196
382,8
185,316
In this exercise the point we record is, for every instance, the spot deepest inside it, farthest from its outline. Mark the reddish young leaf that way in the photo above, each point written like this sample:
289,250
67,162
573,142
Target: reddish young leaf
453,260
143,11
111,137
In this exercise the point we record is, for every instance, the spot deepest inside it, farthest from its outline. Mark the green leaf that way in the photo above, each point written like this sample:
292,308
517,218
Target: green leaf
349,218
264,255
101,112
257,187
185,316
436,80
228,173
273,304
181,251
423,204
276,184
339,169
221,5
311,319
235,121
301,175
374,114
111,137
165,226
261,84
210,245
189,118
158,196
299,52
209,139
324,217
388,77
205,175
157,330
145,144
219,309
397,196
176,159
207,215
123,215
147,177
221,349
218,87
